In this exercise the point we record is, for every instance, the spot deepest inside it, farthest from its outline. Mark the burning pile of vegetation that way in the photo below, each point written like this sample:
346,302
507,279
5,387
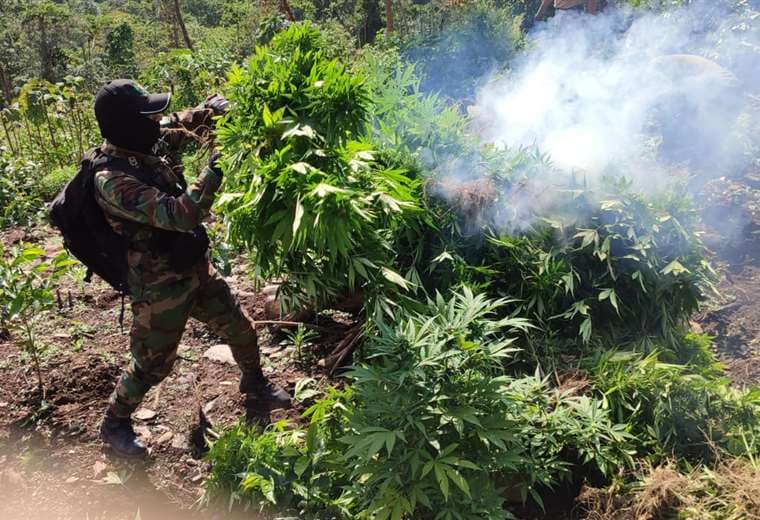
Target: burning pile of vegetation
470,300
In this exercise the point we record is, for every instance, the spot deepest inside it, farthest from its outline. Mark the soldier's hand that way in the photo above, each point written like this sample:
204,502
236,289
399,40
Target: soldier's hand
213,162
217,103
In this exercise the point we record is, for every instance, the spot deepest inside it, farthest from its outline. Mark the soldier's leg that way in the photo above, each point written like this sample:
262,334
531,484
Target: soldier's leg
159,317
216,306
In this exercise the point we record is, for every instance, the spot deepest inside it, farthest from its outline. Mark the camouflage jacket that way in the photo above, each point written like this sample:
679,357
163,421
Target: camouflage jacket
140,210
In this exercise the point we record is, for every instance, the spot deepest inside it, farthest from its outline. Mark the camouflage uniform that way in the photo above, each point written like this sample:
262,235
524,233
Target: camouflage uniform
163,299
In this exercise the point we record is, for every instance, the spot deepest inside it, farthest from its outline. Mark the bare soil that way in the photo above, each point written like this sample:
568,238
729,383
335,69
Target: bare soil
52,463
731,212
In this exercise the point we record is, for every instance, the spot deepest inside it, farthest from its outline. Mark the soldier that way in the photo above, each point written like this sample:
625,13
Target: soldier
589,6
170,278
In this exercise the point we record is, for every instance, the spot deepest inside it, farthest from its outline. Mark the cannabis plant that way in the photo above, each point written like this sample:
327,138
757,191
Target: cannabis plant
313,205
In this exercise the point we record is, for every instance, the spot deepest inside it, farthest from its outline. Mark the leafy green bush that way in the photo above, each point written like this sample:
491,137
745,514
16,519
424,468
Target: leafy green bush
674,411
53,182
311,204
27,284
19,201
190,76
624,269
438,425
52,124
433,427
285,468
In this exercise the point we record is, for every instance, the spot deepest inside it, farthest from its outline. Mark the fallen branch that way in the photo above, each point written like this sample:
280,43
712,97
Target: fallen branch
292,324
346,346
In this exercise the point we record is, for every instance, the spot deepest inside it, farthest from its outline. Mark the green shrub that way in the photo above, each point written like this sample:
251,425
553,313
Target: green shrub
309,202
432,428
285,469
27,294
673,411
19,201
438,425
52,183
609,267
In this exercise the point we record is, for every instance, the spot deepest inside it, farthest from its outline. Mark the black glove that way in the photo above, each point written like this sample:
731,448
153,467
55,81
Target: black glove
213,162
217,103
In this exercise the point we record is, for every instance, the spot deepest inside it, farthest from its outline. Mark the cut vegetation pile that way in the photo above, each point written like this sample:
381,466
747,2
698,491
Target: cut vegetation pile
478,302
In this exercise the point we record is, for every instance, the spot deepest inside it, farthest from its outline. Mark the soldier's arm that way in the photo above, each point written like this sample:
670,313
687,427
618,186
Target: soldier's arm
187,126
126,197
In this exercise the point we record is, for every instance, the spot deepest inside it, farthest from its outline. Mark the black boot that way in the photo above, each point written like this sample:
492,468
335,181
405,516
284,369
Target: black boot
260,390
117,432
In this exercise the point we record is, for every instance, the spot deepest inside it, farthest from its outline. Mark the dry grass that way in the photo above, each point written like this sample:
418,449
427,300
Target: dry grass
661,493
729,491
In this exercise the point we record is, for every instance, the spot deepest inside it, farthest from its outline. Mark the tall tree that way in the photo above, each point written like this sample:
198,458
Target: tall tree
389,16
46,27
120,51
181,24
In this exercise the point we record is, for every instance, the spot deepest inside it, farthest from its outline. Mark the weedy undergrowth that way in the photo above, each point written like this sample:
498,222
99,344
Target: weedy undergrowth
20,202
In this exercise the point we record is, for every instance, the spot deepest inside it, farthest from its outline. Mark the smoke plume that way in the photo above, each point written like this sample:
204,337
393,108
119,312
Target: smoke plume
606,94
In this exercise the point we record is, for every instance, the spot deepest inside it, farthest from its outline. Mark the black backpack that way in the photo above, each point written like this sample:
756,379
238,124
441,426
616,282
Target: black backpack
86,233
90,238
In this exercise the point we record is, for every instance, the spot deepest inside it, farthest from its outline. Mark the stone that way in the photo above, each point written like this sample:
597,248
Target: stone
72,480
179,442
99,470
209,406
221,354
145,414
144,432
164,438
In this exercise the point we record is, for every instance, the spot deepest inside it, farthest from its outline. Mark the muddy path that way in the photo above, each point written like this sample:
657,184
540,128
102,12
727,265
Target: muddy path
52,463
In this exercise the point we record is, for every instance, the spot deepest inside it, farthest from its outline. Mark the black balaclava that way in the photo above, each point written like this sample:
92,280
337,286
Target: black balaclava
122,108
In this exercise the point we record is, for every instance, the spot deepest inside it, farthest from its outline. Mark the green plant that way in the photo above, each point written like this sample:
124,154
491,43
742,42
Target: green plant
27,281
674,411
432,427
285,470
19,200
51,124
624,271
310,203
53,182
301,338
436,418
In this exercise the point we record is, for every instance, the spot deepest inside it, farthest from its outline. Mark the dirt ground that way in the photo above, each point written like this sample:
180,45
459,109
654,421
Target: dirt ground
731,212
52,464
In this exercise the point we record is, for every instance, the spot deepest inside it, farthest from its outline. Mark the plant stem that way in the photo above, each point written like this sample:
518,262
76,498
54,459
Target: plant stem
32,348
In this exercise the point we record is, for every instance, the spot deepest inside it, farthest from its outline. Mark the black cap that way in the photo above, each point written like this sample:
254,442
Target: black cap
131,96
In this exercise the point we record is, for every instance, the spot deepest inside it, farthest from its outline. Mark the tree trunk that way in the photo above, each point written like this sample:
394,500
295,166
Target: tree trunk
285,7
372,21
389,16
181,23
5,85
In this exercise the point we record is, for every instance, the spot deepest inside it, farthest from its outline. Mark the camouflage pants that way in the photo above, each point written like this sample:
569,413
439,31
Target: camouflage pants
160,313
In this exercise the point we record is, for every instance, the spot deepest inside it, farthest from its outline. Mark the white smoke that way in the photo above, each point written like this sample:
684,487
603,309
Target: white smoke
613,91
